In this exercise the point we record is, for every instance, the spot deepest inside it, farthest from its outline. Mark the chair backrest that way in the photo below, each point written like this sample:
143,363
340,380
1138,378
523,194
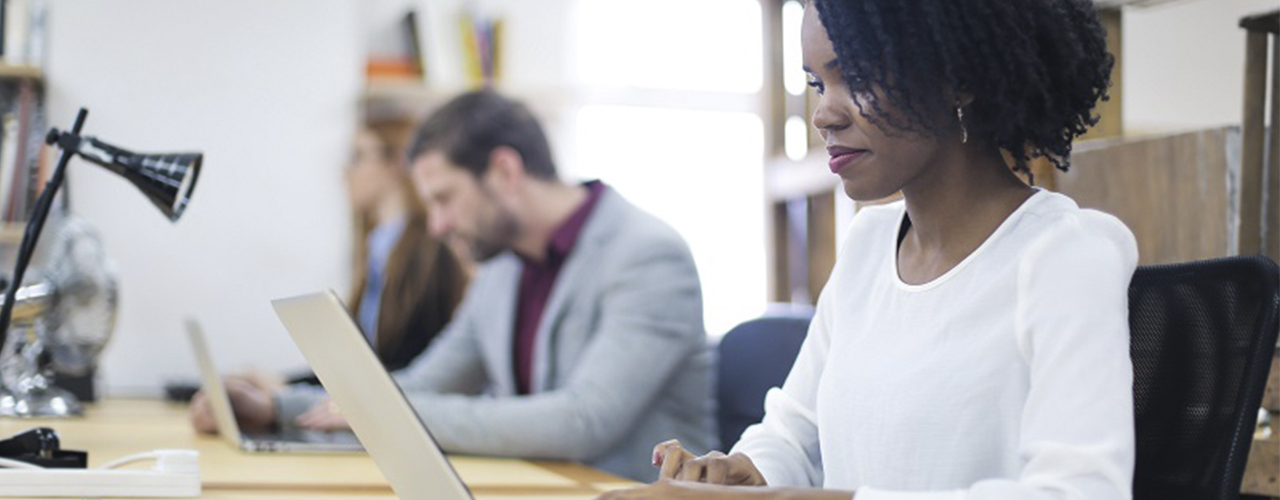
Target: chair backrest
1202,337
753,357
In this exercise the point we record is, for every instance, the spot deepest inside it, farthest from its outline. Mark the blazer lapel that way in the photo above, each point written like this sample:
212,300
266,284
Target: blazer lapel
569,283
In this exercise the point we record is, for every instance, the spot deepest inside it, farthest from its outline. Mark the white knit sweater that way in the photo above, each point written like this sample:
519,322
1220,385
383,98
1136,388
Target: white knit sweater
1006,378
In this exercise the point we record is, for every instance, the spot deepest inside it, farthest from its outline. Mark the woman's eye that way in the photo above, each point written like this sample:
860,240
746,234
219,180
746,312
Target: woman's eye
817,86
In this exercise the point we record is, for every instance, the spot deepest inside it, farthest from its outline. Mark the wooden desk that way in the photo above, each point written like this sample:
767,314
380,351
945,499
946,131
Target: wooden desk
120,427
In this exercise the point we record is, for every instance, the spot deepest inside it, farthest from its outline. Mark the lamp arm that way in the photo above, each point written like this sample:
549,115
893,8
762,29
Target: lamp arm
31,235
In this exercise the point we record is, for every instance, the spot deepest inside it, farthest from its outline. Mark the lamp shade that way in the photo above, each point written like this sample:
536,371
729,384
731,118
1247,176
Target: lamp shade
166,178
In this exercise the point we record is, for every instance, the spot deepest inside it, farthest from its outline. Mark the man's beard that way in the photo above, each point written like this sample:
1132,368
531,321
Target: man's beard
496,237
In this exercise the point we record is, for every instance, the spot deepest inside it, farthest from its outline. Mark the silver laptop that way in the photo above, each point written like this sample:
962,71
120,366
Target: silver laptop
370,400
289,440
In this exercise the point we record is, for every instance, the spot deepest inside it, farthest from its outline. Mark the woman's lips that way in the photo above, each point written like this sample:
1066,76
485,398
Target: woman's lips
842,157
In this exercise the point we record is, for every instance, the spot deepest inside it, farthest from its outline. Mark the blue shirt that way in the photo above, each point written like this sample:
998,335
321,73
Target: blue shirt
378,246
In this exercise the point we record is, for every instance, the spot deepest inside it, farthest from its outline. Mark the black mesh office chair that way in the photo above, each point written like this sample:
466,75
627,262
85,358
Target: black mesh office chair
754,356
1203,334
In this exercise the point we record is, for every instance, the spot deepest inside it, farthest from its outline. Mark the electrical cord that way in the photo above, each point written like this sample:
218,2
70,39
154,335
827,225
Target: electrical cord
9,463
138,457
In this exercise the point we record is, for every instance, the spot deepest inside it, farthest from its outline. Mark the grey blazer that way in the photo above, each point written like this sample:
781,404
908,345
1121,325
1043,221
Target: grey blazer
620,363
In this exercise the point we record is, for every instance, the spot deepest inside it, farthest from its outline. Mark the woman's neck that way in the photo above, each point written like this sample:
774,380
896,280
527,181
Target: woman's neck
390,207
953,209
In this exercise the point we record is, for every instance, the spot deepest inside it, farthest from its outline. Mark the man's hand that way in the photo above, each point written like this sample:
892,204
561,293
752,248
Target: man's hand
712,468
323,416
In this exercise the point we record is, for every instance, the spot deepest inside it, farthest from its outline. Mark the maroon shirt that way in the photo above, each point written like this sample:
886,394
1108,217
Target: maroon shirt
537,281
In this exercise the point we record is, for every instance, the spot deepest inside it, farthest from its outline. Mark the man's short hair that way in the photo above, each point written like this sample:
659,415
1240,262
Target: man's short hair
469,127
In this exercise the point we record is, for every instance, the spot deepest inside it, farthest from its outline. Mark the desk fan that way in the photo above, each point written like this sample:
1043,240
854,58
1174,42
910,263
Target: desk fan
60,324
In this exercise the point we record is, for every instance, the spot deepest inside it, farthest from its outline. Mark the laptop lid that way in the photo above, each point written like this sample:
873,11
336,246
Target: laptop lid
214,392
289,440
369,399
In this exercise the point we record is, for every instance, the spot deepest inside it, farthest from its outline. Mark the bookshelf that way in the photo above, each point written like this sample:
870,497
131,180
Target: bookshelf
11,233
20,72
23,162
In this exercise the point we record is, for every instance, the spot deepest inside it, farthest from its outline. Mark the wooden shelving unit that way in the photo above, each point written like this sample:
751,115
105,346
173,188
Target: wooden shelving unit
11,233
11,71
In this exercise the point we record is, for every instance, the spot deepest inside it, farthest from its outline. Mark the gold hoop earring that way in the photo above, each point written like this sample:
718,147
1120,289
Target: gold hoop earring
964,133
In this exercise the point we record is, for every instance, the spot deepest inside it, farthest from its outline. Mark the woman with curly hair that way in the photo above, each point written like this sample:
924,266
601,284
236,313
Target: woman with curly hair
972,341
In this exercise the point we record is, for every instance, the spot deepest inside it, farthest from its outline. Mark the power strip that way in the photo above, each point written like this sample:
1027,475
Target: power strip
176,474
80,483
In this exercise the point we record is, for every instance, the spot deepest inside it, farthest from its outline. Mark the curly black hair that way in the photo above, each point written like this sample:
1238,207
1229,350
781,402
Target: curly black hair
1036,68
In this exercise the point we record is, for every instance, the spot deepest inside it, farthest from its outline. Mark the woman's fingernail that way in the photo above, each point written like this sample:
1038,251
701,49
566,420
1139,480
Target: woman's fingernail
657,459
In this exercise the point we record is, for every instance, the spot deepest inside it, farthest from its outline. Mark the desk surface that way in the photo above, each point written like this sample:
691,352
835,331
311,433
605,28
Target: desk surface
120,427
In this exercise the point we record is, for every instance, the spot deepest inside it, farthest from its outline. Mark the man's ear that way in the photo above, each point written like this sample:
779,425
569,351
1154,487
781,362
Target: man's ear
505,171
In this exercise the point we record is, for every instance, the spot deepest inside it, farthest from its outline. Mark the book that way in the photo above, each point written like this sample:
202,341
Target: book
413,43
396,53
8,157
15,31
15,205
481,45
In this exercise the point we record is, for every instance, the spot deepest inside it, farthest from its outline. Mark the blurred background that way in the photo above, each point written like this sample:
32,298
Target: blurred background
693,109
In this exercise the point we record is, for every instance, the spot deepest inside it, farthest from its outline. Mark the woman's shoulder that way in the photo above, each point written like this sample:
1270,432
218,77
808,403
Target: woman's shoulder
1058,227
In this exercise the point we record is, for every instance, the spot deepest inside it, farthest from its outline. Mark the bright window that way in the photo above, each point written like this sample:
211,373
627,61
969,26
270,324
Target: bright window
792,57
712,45
701,172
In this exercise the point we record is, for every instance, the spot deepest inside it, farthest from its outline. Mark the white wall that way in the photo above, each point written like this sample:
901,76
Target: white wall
267,90
1184,63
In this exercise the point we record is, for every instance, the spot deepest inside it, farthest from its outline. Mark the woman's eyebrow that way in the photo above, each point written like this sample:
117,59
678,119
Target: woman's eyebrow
832,64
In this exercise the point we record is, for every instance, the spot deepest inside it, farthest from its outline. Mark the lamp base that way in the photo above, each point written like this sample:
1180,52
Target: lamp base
40,403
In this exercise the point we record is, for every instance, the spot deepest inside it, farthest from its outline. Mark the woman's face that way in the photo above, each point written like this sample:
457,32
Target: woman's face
368,174
871,164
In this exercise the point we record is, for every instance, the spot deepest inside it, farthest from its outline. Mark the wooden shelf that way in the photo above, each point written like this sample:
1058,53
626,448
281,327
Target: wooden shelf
787,179
393,98
9,71
11,233
396,99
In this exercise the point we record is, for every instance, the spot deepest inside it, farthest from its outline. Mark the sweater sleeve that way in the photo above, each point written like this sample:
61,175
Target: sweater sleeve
1076,434
784,446
651,326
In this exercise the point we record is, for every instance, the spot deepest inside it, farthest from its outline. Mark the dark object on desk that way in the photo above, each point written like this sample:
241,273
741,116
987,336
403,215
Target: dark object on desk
166,179
1202,337
40,446
180,392
81,386
754,356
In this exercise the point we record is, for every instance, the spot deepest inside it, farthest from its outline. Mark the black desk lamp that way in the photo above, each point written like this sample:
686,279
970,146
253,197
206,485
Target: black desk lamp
167,180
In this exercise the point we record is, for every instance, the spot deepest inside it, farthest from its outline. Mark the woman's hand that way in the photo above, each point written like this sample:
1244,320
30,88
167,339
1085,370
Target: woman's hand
202,414
712,468
254,407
